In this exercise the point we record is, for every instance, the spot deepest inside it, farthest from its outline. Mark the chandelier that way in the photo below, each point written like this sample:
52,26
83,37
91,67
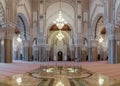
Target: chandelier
60,36
60,21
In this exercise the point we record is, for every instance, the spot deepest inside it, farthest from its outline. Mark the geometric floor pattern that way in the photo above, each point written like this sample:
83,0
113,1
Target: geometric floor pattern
59,76
21,73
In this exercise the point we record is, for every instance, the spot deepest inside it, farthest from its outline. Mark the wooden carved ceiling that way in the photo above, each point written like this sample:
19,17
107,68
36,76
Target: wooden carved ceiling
55,28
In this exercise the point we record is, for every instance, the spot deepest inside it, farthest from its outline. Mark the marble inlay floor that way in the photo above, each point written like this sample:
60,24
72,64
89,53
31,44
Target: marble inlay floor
59,76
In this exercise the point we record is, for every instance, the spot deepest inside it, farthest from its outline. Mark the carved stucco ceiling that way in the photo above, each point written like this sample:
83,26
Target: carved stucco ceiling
52,7
49,2
53,10
71,2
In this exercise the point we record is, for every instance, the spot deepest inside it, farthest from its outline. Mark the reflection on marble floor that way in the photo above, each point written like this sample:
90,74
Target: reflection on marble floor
59,76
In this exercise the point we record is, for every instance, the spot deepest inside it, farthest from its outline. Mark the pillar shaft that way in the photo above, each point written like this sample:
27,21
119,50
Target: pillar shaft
118,51
26,50
78,53
30,53
89,54
0,52
25,54
47,55
94,54
41,53
71,54
7,50
112,58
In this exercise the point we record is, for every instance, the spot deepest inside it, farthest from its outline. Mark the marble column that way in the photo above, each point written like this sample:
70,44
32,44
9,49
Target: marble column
109,21
112,58
41,53
47,55
30,53
94,50
16,55
26,50
94,53
71,55
83,54
72,52
0,51
52,54
78,53
118,51
89,54
8,50
47,52
112,43
35,54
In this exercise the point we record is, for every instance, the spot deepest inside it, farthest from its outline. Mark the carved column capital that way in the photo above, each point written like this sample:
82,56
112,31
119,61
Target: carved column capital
9,33
2,34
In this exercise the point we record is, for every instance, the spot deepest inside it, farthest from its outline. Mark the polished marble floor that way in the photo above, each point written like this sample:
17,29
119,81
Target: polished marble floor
59,76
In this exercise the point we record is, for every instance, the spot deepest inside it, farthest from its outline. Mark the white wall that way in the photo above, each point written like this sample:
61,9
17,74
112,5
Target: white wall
25,8
96,8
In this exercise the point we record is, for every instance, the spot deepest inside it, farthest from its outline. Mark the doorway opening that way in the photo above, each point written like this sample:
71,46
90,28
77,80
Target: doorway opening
60,56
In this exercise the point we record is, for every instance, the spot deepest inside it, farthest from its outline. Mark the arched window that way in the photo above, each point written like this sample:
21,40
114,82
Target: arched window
99,24
1,16
21,26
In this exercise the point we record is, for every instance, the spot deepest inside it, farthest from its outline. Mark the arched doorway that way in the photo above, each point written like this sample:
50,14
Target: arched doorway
18,37
60,56
101,36
56,43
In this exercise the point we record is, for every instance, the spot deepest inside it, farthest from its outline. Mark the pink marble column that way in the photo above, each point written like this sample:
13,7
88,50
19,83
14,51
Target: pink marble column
7,50
41,53
0,51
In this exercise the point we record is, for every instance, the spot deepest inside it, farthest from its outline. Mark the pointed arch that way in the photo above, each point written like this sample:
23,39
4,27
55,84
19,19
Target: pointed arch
22,25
